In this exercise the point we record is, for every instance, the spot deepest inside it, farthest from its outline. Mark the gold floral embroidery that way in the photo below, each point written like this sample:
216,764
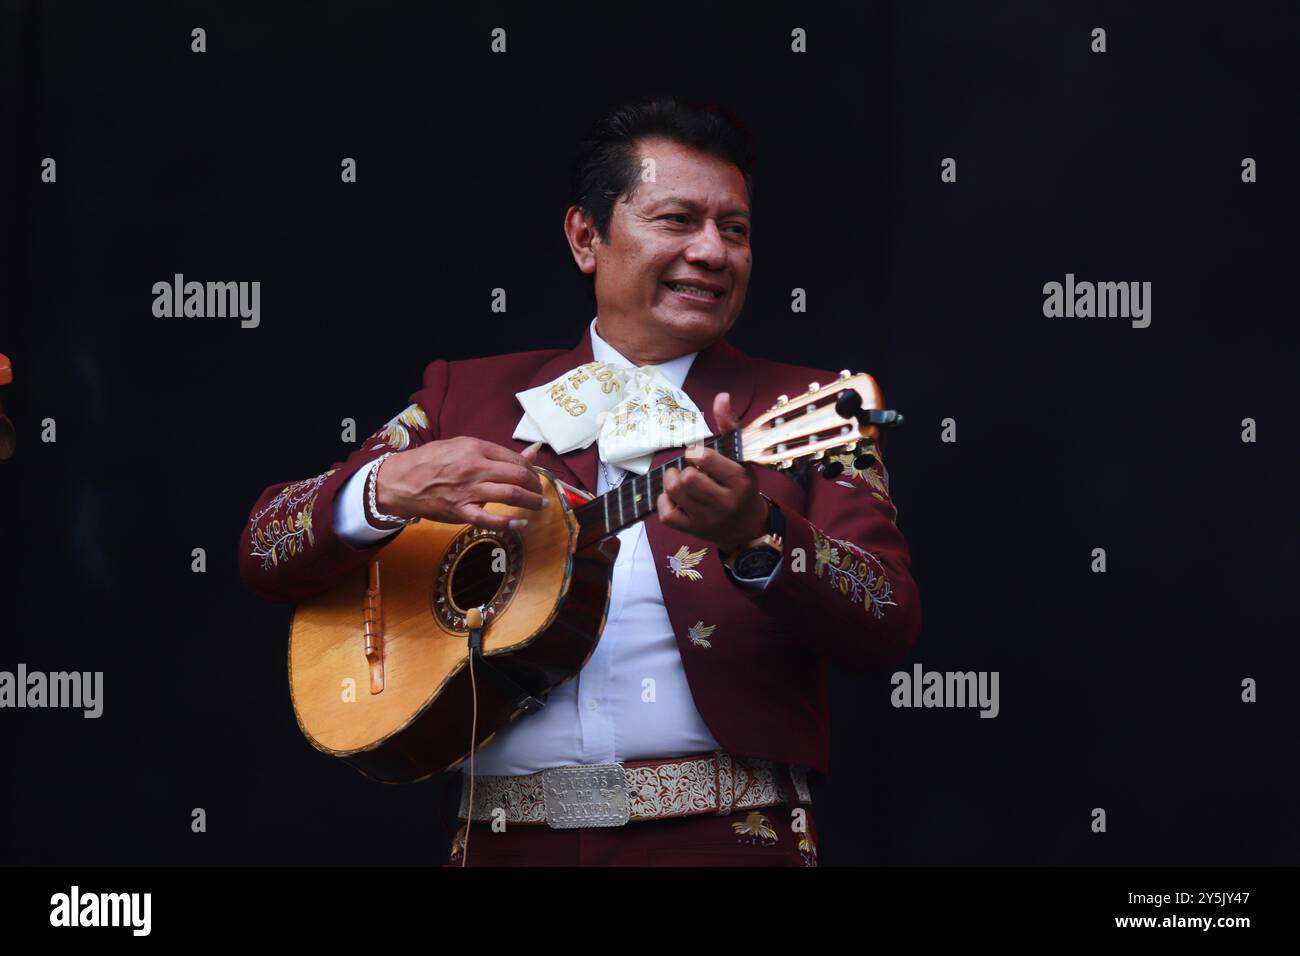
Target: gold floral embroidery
850,569
396,434
288,536
684,561
699,632
808,849
878,480
669,413
627,420
458,844
756,827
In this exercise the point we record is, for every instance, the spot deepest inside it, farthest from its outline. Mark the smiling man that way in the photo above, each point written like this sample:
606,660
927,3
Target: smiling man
671,260
705,699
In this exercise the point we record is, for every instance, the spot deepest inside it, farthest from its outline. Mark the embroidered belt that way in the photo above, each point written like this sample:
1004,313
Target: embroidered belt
611,794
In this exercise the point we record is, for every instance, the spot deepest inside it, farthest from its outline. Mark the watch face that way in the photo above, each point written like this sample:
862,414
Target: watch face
757,563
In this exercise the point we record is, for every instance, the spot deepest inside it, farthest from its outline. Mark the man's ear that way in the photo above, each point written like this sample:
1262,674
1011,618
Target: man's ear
581,233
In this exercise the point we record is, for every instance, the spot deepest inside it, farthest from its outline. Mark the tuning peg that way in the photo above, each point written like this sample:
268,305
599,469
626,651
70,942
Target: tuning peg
832,468
844,373
813,386
878,416
781,400
847,403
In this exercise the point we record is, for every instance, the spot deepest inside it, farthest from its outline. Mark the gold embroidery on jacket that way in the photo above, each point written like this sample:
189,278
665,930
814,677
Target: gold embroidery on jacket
286,537
684,561
877,480
808,849
850,569
699,632
458,844
875,476
396,434
756,827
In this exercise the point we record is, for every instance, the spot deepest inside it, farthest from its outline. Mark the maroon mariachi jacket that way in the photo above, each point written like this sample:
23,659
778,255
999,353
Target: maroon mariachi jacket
844,592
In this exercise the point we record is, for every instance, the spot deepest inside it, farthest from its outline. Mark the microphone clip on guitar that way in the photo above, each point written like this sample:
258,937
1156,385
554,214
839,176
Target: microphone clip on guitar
523,700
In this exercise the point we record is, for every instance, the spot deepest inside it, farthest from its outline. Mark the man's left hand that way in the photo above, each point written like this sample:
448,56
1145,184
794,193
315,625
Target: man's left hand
713,497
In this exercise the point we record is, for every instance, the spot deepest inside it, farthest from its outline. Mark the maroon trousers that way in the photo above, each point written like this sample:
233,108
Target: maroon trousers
770,836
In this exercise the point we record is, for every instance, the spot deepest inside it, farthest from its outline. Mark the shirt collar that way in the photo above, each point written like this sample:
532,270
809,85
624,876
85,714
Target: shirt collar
675,370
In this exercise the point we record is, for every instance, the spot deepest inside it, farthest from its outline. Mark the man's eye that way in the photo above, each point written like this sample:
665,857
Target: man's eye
740,230
677,215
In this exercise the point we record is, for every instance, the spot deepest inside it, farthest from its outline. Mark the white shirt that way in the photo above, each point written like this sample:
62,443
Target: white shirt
631,701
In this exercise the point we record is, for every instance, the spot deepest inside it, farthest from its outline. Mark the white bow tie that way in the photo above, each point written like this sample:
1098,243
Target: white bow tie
630,412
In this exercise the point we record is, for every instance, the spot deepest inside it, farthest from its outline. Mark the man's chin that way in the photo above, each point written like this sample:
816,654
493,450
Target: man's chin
698,327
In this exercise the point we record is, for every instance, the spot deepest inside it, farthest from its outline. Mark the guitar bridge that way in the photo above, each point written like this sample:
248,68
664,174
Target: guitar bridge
374,629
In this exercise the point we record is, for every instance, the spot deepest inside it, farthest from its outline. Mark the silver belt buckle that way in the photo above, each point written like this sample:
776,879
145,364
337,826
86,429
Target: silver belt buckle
593,795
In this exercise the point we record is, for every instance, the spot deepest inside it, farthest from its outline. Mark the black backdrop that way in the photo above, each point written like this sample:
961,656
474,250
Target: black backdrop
1118,690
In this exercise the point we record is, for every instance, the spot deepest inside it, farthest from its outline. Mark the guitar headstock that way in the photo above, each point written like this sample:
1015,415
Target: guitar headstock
845,415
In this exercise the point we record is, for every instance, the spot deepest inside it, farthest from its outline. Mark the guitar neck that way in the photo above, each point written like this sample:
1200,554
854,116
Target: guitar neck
635,498
833,424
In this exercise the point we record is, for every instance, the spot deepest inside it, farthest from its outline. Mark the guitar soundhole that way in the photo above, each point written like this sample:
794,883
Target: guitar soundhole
474,580
480,569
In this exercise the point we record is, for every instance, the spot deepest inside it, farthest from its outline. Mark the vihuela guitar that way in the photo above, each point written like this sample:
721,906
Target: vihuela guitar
453,631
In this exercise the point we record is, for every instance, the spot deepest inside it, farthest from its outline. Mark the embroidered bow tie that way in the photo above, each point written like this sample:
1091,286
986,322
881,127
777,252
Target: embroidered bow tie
629,412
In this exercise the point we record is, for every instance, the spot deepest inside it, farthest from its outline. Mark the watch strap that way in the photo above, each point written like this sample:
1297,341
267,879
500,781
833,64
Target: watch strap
773,538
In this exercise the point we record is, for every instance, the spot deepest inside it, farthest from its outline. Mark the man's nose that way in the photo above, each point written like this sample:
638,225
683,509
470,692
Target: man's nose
707,247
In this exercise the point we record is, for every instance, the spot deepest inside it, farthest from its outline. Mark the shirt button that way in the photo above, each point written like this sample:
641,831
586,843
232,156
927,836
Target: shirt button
591,703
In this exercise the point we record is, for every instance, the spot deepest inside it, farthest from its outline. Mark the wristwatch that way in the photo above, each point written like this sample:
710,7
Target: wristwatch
759,557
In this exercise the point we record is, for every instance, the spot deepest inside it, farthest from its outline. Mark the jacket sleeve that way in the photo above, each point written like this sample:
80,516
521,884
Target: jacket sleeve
845,584
288,549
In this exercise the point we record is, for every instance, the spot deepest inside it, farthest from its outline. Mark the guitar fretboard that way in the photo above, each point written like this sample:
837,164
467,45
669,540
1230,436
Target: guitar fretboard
635,497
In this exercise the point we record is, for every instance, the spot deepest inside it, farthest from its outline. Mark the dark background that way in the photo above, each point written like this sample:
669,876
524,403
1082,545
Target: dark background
1119,690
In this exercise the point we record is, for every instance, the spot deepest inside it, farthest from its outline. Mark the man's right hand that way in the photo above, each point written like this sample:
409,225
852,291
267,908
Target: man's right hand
451,480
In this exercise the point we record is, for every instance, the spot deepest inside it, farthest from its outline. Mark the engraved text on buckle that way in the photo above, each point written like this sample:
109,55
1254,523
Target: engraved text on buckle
590,796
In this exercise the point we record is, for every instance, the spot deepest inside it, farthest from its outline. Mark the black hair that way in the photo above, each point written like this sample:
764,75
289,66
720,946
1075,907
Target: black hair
607,167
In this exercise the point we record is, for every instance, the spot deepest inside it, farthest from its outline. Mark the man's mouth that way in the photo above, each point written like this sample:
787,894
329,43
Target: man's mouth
695,292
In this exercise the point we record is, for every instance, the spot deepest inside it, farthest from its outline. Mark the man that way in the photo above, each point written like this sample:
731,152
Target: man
707,689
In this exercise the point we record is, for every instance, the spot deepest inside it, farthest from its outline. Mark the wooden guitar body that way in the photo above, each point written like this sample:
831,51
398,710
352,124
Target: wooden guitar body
403,711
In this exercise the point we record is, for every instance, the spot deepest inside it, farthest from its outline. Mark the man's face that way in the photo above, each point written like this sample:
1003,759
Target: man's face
688,228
